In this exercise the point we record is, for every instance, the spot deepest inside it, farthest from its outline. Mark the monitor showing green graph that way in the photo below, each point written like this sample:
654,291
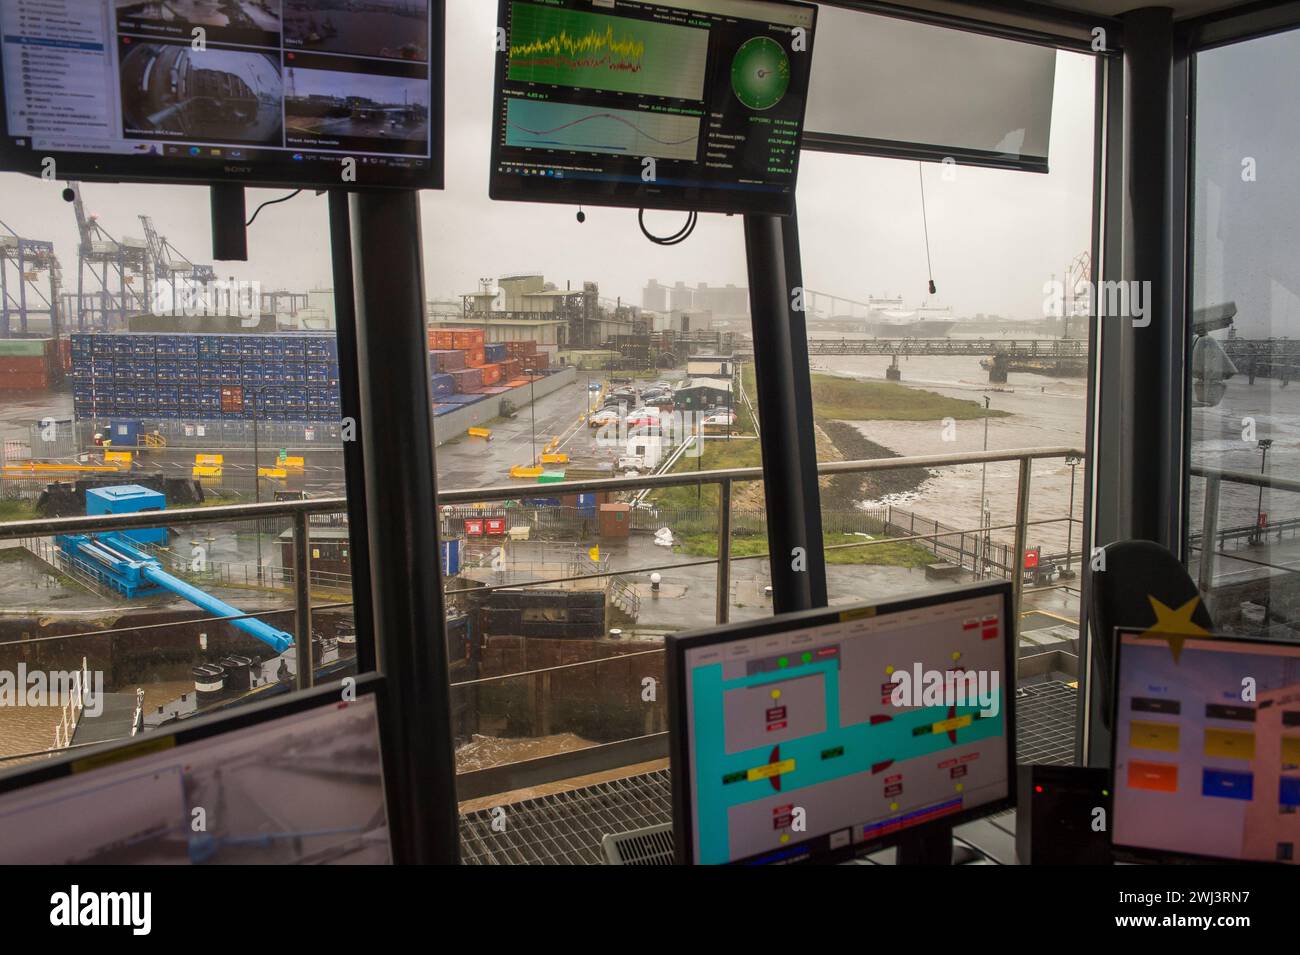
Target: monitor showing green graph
693,105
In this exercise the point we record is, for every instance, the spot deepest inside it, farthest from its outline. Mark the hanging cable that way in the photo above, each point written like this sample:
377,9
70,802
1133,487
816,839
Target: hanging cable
926,225
270,202
681,236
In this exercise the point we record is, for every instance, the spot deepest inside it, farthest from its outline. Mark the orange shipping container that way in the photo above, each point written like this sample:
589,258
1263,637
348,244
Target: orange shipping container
491,374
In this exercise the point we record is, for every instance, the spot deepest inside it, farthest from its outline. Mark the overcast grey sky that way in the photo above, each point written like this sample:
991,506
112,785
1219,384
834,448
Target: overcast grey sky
996,236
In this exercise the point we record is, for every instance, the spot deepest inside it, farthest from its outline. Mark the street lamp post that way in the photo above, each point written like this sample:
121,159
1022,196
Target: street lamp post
257,497
532,407
983,542
1072,463
1263,446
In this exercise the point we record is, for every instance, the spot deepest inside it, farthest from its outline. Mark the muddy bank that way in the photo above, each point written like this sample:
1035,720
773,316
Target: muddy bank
144,647
845,491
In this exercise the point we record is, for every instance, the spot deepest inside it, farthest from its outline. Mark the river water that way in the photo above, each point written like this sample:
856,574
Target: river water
1049,410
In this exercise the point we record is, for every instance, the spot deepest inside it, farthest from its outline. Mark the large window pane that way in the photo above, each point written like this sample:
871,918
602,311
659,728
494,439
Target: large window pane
579,312
994,359
125,363
1245,321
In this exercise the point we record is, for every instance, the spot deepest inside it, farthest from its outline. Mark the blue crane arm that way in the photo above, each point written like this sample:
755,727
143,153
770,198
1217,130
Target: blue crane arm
122,562
278,640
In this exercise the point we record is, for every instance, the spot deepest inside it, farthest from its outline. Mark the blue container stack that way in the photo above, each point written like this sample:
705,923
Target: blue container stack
206,376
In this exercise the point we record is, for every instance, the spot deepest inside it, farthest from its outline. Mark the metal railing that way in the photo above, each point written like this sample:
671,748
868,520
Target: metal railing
1211,540
605,756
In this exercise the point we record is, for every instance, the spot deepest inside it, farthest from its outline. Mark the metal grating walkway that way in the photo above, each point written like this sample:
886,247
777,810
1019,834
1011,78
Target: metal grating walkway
1045,727
566,828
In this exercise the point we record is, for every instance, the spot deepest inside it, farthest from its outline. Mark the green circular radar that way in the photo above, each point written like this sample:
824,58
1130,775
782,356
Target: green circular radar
760,73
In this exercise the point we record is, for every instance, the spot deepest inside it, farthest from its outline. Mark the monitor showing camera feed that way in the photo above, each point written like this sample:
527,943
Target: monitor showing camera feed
260,92
819,736
694,105
305,788
1207,748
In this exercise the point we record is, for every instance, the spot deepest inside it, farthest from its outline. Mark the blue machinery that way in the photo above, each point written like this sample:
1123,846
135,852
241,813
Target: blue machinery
116,561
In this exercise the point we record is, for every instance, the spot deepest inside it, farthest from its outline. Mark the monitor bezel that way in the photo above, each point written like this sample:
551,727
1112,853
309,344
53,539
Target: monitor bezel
676,646
262,174
573,192
1139,855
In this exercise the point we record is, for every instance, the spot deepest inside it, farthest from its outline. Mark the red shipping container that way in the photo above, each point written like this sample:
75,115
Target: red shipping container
510,369
467,338
25,364
467,379
474,357
232,399
24,381
491,374
448,360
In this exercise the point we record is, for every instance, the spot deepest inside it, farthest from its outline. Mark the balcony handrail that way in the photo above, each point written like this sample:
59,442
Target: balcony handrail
44,527
1253,478
300,512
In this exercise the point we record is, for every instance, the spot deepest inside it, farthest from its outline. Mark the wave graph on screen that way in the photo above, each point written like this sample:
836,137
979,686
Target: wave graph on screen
586,129
593,51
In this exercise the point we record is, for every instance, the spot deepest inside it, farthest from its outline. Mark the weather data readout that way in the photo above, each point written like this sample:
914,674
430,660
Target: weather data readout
693,105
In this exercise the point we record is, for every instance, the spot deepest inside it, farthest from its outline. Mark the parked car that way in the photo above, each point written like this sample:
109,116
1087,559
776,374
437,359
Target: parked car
604,417
657,401
722,419
643,417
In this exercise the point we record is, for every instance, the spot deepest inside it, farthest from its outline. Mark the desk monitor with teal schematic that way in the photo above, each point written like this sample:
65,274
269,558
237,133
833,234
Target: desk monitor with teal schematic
818,736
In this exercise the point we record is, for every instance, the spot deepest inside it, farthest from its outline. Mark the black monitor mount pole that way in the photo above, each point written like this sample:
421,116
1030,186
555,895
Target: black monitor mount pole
229,233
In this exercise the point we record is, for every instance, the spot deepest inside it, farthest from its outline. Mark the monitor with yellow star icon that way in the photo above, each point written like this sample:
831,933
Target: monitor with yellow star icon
1207,747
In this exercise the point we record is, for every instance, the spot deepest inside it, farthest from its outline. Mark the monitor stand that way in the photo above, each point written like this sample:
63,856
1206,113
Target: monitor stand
932,845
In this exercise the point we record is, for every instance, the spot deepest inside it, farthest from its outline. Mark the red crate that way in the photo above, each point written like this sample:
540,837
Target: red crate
232,399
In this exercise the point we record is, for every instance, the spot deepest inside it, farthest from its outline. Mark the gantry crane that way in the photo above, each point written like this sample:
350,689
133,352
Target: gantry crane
171,266
120,273
22,263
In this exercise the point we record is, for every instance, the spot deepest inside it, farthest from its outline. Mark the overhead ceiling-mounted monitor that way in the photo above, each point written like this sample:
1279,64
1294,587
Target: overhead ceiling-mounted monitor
695,105
255,92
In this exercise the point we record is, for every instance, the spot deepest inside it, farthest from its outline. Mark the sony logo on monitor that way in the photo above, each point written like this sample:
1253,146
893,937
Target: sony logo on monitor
238,169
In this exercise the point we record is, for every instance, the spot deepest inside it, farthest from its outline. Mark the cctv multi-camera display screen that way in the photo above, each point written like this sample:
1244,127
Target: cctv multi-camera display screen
1207,748
303,788
689,104
261,92
820,739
